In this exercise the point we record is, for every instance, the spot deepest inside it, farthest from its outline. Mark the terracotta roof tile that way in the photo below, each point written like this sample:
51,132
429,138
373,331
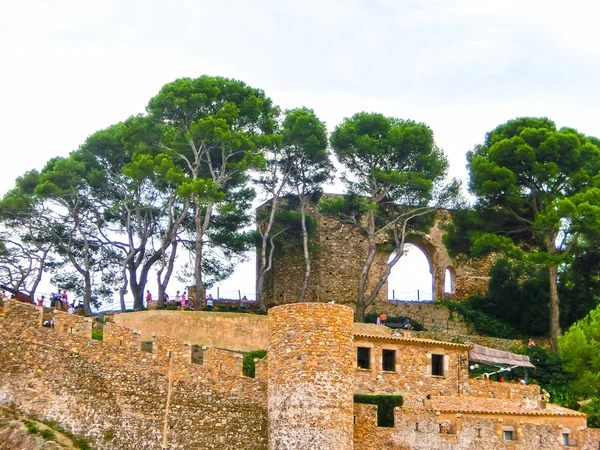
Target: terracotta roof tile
480,405
411,340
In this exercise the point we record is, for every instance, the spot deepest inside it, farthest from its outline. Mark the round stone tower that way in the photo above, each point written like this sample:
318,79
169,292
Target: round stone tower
311,377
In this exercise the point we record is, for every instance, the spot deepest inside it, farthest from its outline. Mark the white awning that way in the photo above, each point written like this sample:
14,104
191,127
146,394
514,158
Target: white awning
491,356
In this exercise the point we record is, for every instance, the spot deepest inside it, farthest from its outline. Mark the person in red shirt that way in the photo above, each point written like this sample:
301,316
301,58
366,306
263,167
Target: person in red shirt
148,297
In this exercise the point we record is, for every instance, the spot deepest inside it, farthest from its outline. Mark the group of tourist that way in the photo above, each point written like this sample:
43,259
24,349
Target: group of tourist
382,319
183,302
60,300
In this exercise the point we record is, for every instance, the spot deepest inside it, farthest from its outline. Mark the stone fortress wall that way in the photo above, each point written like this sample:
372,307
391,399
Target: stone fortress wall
116,395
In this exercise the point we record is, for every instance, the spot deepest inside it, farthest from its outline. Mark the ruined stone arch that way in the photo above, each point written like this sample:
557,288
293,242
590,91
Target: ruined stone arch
337,264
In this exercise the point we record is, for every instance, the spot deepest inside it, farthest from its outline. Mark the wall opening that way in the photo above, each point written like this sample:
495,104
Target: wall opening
363,357
448,282
437,365
388,360
410,278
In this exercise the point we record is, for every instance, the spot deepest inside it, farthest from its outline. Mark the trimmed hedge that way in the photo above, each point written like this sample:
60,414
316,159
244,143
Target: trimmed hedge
248,366
385,406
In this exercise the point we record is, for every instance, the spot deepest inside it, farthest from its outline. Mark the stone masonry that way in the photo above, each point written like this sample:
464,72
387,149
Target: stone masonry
338,260
116,396
310,370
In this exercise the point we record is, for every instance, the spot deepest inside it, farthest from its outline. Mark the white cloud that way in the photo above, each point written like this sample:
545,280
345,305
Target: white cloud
71,67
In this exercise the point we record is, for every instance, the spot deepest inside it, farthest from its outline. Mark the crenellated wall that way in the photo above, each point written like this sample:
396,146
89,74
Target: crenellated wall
115,395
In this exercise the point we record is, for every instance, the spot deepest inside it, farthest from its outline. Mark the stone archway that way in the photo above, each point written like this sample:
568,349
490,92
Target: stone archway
438,261
339,258
411,277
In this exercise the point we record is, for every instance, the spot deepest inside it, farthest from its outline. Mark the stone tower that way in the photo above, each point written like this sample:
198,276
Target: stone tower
311,377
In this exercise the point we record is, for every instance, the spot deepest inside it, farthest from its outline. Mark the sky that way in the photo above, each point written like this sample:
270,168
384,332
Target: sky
70,68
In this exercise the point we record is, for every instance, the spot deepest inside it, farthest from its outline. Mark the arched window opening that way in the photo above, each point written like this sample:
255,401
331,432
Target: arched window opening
410,278
448,282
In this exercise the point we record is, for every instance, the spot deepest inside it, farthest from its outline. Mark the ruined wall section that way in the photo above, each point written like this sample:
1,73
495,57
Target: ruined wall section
115,396
310,377
340,252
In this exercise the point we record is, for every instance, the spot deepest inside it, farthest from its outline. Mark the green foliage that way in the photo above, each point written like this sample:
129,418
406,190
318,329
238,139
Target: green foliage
31,427
395,171
248,365
592,409
483,323
109,435
580,351
550,374
416,325
81,443
98,335
146,346
48,435
385,406
536,180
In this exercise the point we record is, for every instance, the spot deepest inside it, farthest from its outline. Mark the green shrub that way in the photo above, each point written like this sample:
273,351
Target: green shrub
592,409
48,435
31,428
385,406
98,335
81,443
248,366
146,346
483,324
109,435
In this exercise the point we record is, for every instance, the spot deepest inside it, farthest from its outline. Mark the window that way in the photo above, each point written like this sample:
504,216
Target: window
508,435
363,357
388,360
565,439
437,365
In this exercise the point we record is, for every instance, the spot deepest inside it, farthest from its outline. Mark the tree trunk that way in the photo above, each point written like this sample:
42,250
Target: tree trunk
264,265
87,297
554,300
384,276
361,305
302,295
554,307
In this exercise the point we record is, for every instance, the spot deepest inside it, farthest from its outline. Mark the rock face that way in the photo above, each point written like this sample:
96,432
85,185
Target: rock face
14,435
339,254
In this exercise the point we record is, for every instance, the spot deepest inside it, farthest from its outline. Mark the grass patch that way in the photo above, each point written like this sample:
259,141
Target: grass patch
98,335
48,435
31,427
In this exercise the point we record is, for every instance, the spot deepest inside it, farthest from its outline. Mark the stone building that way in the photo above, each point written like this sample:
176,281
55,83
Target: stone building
120,397
339,254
